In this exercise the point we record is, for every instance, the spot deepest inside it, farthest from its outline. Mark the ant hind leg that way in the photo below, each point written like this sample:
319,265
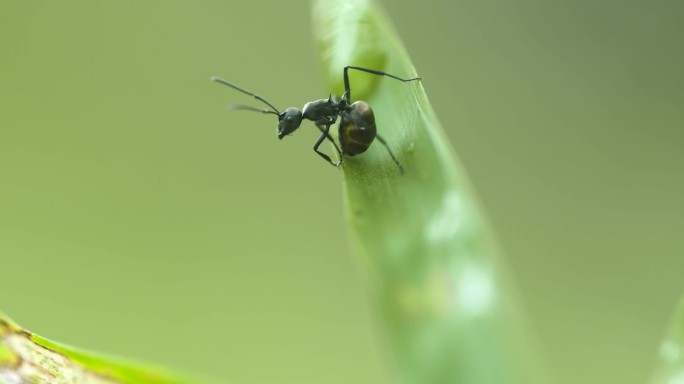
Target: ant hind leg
381,140
368,70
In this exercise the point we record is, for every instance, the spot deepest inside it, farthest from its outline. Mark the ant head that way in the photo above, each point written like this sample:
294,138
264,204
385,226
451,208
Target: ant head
289,121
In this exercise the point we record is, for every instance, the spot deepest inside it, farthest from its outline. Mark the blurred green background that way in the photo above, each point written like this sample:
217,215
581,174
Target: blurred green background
139,217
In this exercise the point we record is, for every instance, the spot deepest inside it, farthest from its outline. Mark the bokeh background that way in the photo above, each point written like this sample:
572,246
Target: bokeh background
140,218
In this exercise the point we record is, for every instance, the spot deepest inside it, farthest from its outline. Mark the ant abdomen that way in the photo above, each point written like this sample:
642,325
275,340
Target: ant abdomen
357,128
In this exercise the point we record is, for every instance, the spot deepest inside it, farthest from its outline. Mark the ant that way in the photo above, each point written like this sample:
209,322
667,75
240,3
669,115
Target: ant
357,122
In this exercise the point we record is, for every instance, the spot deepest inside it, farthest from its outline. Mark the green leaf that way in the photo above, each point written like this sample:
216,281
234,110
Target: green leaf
448,311
670,369
28,358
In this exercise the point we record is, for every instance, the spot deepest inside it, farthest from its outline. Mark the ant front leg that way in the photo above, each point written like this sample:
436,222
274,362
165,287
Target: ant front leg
320,140
347,89
322,128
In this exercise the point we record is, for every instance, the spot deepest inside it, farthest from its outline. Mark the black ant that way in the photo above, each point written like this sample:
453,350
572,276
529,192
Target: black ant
357,122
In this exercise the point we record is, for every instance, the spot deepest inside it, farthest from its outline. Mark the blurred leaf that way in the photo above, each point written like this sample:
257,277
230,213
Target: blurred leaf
670,369
449,312
29,358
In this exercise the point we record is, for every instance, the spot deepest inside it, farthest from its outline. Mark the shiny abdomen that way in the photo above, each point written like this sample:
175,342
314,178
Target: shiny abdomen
357,129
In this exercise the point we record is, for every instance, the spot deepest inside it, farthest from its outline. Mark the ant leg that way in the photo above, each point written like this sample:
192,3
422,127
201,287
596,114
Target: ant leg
321,127
401,169
373,71
324,135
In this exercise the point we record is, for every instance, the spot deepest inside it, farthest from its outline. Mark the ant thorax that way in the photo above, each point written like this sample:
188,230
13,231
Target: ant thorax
321,109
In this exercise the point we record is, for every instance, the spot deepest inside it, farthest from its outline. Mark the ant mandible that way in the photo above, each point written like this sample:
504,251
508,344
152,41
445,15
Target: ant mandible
357,128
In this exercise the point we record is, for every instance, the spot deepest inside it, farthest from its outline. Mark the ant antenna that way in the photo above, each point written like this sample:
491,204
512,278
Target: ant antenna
224,82
250,108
